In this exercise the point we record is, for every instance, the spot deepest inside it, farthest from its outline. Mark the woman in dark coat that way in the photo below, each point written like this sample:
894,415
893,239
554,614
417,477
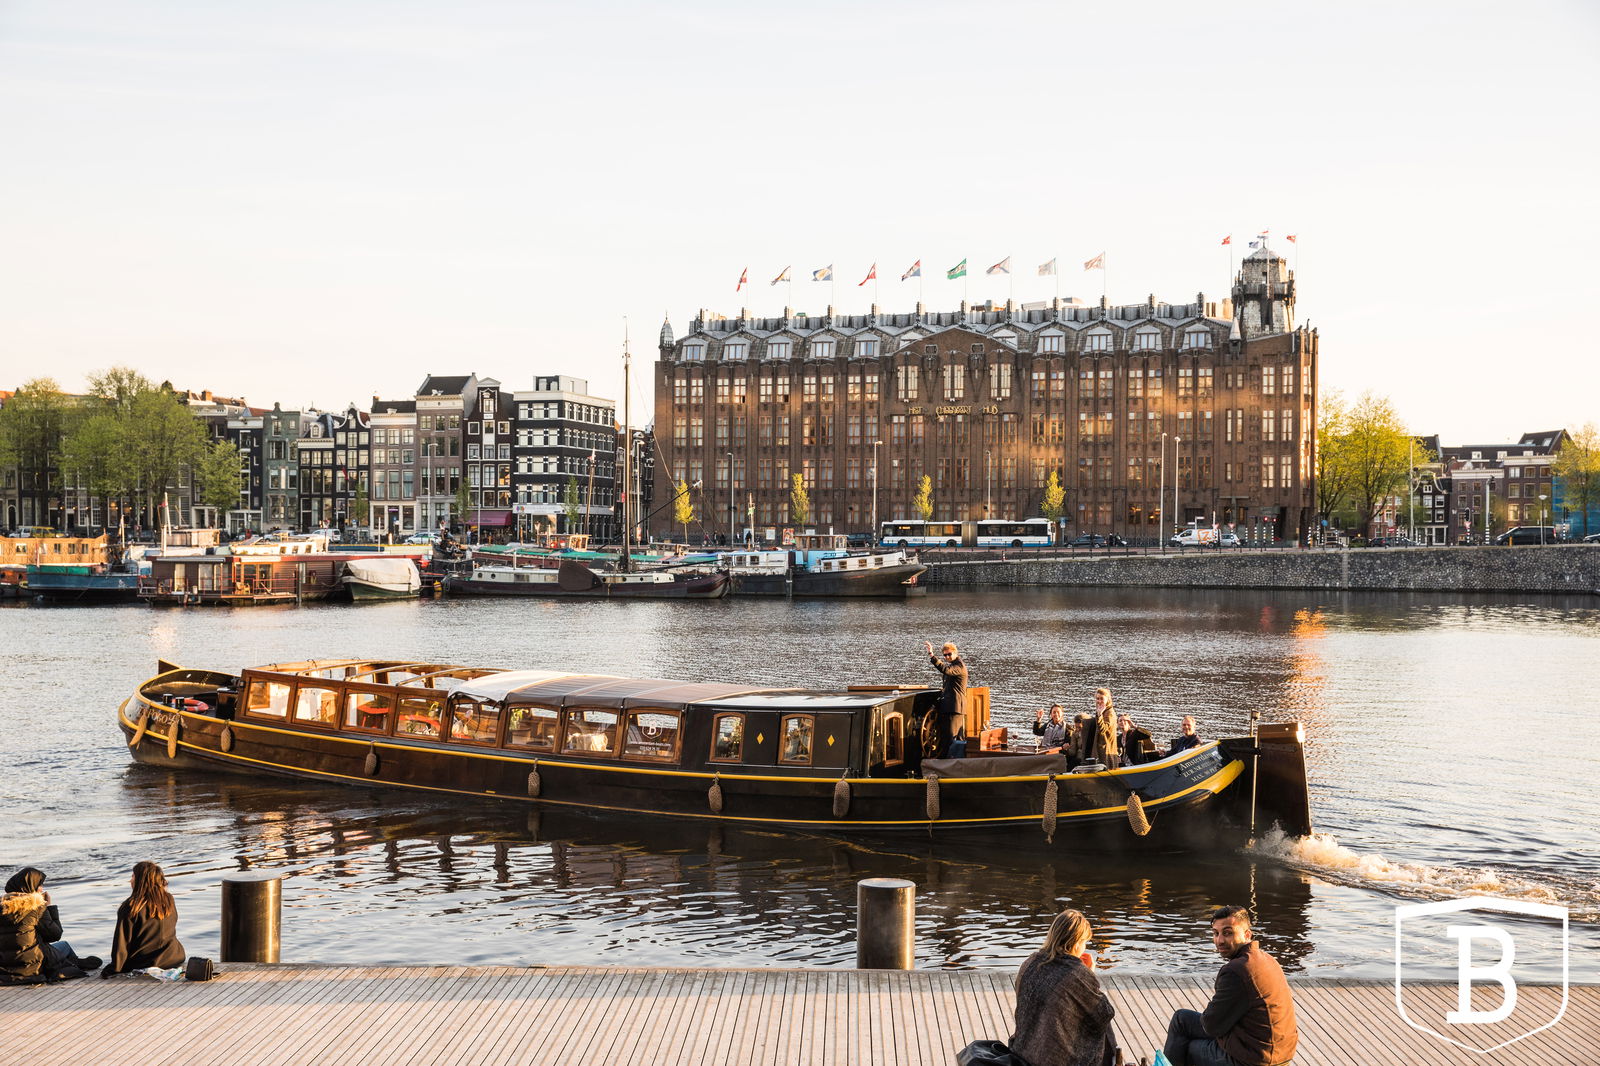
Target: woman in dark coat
147,926
1063,1018
31,949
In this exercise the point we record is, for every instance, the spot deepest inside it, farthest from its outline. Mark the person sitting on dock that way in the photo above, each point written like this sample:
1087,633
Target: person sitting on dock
1188,739
1054,733
1250,1019
1063,1017
950,716
147,926
31,948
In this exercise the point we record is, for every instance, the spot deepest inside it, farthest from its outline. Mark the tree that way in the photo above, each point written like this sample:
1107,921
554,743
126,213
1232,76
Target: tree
1333,471
799,500
1376,451
1054,504
570,505
33,429
922,502
163,440
1576,470
463,504
360,501
217,478
683,509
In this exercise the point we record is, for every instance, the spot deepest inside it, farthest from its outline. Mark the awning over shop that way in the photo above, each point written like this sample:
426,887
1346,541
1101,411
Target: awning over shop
488,518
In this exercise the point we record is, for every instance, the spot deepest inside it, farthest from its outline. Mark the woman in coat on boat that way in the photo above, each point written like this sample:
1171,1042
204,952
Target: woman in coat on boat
147,926
1104,733
1063,1018
31,948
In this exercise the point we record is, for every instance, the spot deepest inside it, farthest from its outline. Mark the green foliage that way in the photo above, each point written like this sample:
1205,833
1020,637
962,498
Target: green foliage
570,505
463,503
922,502
1577,468
360,502
1364,456
683,508
34,424
1055,498
217,478
799,500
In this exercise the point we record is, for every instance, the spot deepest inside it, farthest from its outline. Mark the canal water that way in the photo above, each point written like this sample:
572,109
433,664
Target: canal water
1453,753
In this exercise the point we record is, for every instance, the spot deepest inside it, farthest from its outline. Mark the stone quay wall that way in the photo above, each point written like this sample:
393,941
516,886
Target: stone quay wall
1565,569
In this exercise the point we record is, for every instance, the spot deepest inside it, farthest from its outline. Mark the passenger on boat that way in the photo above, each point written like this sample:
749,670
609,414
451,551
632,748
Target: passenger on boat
1189,739
1053,733
1135,743
1082,738
147,926
31,948
950,716
1103,748
1250,1019
1063,1017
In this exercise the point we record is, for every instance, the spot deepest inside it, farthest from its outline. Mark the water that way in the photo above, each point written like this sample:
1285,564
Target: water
1452,753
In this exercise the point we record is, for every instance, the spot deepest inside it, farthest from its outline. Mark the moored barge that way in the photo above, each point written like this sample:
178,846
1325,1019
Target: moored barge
844,760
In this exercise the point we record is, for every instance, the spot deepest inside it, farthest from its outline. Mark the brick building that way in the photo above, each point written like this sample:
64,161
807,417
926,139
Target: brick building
1212,400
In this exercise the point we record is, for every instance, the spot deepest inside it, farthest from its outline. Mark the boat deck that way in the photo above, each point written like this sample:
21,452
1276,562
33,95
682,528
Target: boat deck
458,1015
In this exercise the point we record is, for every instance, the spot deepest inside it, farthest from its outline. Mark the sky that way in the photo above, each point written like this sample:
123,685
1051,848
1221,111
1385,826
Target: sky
316,203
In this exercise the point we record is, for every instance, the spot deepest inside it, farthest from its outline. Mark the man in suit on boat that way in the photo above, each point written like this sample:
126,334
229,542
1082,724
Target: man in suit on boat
950,716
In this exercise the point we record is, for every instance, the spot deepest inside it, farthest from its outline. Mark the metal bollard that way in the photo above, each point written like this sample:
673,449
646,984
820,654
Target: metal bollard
252,911
885,912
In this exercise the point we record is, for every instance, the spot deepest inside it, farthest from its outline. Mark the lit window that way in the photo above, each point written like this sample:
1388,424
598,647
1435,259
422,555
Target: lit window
795,739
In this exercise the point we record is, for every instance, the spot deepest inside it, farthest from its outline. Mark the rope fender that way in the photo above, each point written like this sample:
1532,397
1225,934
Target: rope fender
225,742
172,736
139,730
1051,803
932,799
714,794
841,797
535,782
371,764
1138,821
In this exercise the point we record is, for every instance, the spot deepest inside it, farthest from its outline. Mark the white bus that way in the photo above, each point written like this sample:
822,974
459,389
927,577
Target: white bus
988,533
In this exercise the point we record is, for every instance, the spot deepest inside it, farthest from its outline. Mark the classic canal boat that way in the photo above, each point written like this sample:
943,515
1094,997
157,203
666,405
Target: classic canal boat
821,565
843,760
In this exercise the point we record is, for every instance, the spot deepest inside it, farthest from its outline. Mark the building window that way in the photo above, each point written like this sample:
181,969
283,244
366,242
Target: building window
1269,380
1107,384
1136,383
778,349
867,348
1153,383
1185,382
1146,342
906,383
1097,342
1197,338
1051,343
727,738
736,351
1000,381
822,349
694,352
1269,425
955,381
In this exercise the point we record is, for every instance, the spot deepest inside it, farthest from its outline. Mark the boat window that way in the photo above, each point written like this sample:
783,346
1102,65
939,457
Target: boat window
474,721
727,738
418,717
888,737
532,727
267,698
368,711
795,746
315,704
652,735
591,731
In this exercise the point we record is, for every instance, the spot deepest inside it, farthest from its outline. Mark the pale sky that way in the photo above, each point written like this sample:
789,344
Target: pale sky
316,202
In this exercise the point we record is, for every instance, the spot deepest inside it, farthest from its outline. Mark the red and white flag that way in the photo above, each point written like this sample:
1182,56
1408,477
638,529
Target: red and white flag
744,276
871,276
1290,238
784,276
1097,263
1228,239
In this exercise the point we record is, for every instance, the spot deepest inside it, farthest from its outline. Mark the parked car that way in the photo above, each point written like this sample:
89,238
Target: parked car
1592,538
424,539
1229,539
1193,537
858,540
1097,540
1529,535
1391,542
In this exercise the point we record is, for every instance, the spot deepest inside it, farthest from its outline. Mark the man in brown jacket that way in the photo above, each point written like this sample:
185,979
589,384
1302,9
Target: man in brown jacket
1250,1019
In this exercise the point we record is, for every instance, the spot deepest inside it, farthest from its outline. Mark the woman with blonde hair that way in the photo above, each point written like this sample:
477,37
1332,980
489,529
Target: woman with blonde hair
1106,749
147,926
1063,1018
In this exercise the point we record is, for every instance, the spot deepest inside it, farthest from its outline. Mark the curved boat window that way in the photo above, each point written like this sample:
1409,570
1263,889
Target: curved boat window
795,743
474,721
727,738
268,699
312,703
532,727
418,717
368,711
652,735
888,738
590,731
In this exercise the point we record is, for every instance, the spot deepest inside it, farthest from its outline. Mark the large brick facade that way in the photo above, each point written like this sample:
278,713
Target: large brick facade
988,401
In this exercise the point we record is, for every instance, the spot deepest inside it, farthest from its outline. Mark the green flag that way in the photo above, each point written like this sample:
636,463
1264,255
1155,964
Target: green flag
958,271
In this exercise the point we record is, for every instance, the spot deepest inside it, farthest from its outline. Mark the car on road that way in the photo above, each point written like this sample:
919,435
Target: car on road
1592,538
422,539
1097,540
1229,539
1193,537
1529,535
1392,542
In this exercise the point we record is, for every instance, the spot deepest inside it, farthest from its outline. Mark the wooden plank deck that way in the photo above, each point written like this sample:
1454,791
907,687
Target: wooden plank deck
514,1016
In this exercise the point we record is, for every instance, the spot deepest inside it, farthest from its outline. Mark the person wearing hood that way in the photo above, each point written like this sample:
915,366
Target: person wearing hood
31,948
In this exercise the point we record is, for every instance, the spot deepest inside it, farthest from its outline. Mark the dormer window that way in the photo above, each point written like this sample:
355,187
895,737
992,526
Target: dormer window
1197,338
822,349
1051,343
1147,341
867,348
694,352
778,349
735,351
1097,342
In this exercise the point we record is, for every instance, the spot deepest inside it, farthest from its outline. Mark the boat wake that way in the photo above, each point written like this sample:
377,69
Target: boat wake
1322,855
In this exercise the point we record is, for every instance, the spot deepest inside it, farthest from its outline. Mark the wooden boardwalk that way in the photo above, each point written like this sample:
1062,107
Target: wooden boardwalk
510,1016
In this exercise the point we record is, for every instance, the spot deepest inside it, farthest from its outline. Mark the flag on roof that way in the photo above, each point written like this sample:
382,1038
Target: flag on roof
825,274
912,271
1255,244
957,271
1047,269
1002,267
784,276
1289,238
1263,234
744,276
1228,239
1097,263
871,276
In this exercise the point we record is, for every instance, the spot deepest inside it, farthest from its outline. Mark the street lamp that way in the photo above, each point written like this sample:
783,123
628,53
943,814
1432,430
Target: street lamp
875,490
1542,513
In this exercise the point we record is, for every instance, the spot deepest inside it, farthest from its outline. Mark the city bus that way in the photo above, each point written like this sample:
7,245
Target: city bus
988,533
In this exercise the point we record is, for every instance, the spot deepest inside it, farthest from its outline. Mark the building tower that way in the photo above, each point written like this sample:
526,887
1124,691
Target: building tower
1263,295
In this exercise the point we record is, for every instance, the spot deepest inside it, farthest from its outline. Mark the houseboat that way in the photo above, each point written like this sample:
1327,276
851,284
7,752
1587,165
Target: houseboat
844,760
820,564
62,568
383,578
560,576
